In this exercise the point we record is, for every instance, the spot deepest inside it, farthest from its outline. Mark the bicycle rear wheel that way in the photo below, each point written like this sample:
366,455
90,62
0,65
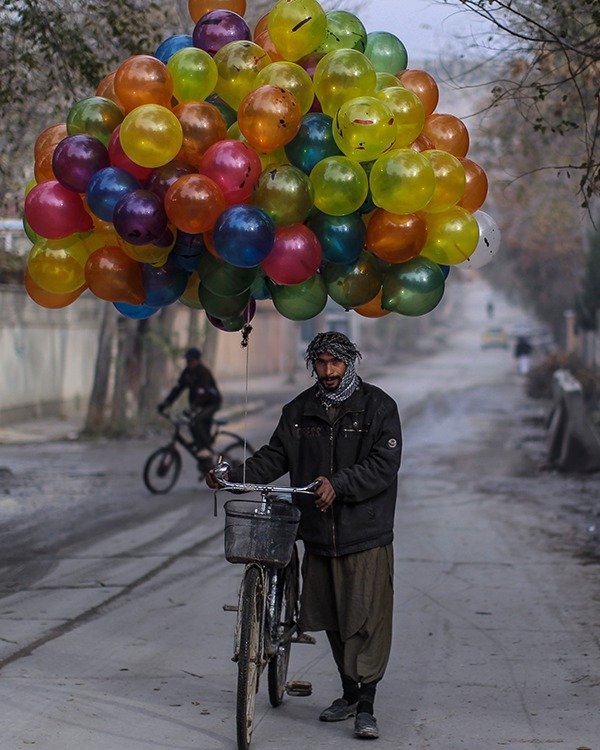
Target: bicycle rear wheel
249,655
278,664
162,470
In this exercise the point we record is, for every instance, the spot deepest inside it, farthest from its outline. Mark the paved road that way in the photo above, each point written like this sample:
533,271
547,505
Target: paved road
119,641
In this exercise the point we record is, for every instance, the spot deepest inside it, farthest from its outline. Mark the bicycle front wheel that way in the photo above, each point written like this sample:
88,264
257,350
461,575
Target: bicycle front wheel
162,470
249,655
278,665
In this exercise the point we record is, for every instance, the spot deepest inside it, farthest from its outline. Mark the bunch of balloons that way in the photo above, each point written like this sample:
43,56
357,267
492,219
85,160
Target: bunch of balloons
297,162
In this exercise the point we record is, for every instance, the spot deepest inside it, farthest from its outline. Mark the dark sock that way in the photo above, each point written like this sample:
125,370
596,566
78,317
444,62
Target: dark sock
364,707
350,688
366,698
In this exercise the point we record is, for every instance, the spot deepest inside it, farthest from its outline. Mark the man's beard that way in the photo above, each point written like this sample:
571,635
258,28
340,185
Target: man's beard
334,385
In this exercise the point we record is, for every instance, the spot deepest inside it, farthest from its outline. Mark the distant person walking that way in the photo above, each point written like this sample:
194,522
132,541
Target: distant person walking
523,351
490,309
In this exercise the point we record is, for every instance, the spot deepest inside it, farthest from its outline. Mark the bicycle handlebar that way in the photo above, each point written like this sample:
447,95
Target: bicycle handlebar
223,467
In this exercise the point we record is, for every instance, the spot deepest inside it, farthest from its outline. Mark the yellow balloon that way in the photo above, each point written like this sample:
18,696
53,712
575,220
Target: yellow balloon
151,135
238,64
58,265
292,78
452,236
153,254
297,27
402,181
341,185
408,110
343,75
364,128
450,180
190,294
385,80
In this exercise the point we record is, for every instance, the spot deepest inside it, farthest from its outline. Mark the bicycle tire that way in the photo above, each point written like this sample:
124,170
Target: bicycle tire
162,470
279,663
248,656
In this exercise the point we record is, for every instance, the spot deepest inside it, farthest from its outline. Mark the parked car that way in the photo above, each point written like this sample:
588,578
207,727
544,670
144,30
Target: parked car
495,337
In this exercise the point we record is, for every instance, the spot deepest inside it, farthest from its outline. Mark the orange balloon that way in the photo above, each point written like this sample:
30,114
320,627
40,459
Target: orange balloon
47,299
261,25
269,117
42,168
49,137
264,40
395,238
115,277
143,79
202,125
447,133
476,186
421,143
373,308
210,244
106,89
193,203
198,8
423,85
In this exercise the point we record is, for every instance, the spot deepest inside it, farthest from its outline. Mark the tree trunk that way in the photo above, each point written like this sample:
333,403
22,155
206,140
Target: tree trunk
156,351
95,422
126,332
210,344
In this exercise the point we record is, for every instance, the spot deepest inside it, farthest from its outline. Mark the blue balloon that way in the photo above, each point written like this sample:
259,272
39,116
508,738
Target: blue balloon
106,188
244,235
342,238
135,312
172,44
163,285
259,288
444,269
313,142
187,250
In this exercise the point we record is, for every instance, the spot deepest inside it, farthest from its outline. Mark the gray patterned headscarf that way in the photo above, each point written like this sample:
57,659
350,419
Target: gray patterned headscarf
339,346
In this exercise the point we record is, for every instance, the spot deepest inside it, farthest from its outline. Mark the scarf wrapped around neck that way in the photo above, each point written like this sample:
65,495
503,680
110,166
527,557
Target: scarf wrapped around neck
340,347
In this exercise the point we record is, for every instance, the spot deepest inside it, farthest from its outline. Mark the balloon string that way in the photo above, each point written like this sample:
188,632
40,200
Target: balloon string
246,345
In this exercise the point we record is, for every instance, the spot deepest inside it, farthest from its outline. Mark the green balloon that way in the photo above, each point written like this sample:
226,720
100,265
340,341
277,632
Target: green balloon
227,280
220,306
353,284
300,301
286,194
413,288
230,325
29,231
344,31
386,52
94,116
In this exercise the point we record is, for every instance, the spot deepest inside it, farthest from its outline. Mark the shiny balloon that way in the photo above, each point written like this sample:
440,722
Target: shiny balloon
119,159
488,243
143,79
236,322
234,166
194,74
413,288
57,265
115,277
364,128
76,159
449,181
395,238
42,168
286,194
476,186
172,44
238,64
295,257
140,218
342,238
452,236
47,299
165,285
106,89
386,80
344,31
353,284
202,125
313,142
221,306
53,211
151,135
297,27
244,235
343,75
269,117
135,312
341,185
386,52
402,181
300,301
264,40
190,297
219,27
373,308
155,255
193,203
229,114
187,250
106,188
292,78
423,85
260,288
163,177
95,116
408,112
198,8
226,280
49,138
447,133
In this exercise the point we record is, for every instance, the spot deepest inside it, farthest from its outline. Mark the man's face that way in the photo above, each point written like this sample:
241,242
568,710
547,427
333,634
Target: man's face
330,370
193,362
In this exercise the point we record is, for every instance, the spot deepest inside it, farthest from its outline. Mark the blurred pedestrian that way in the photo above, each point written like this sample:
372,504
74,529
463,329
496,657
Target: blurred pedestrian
522,354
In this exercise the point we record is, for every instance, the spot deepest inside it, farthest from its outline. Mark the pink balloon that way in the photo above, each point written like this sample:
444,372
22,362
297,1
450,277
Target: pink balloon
54,211
295,257
118,158
234,166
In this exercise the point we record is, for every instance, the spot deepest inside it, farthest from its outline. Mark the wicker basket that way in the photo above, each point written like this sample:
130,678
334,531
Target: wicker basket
259,532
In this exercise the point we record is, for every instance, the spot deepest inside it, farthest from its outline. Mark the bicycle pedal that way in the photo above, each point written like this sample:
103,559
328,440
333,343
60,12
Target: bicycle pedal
304,638
299,688
230,608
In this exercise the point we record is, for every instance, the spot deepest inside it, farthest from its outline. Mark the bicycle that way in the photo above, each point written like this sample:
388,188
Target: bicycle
262,535
163,466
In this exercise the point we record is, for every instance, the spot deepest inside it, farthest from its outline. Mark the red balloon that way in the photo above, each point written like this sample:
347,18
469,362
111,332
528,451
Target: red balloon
118,158
115,277
295,257
53,211
234,166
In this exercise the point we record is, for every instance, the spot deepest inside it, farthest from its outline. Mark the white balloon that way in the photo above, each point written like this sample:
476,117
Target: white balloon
488,245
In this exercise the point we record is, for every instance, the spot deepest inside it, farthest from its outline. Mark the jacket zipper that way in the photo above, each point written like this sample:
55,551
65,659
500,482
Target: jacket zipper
331,472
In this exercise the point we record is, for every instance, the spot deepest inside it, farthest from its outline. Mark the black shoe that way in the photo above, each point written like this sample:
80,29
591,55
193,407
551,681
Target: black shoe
365,726
339,710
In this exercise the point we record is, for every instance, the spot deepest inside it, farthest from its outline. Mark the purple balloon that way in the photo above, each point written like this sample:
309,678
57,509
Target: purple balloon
76,160
164,285
140,218
219,27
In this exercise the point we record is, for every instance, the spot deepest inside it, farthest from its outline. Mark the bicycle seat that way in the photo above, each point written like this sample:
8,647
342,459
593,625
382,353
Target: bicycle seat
220,421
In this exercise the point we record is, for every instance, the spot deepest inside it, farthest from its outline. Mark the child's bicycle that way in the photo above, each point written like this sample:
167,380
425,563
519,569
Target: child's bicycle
163,467
261,533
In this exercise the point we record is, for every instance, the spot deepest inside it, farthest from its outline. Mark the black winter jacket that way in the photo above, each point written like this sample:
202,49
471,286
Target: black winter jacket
202,388
359,453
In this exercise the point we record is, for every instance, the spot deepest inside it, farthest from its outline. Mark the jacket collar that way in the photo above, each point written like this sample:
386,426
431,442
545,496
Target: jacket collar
314,408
